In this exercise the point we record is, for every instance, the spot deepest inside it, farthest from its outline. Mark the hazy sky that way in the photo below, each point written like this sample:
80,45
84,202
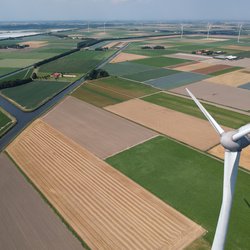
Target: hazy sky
123,9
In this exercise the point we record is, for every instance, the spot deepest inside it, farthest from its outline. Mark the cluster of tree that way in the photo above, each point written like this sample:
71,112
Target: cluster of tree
97,73
101,49
13,46
87,42
153,47
55,57
14,83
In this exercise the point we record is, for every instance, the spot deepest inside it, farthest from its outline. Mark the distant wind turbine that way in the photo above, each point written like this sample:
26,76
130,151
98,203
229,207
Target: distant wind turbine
233,142
88,26
240,28
104,27
182,27
209,26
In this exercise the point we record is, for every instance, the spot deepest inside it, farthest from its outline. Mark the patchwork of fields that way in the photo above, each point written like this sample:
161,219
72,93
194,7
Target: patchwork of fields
105,208
128,120
6,122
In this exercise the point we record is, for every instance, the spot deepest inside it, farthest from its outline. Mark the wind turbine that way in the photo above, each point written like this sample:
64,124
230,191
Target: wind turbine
104,27
233,142
240,28
88,26
209,26
182,26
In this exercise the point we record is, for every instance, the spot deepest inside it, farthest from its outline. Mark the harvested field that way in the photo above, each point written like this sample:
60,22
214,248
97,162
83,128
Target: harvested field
212,69
175,80
125,57
218,93
110,45
27,222
218,151
193,66
190,56
35,44
233,79
105,208
101,132
196,132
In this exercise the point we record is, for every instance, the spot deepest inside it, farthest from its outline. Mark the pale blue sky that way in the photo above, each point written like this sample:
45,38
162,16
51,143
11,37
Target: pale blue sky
124,9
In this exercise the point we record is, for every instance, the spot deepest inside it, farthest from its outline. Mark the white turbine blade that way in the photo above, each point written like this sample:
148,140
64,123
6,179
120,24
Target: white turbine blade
244,130
231,164
216,126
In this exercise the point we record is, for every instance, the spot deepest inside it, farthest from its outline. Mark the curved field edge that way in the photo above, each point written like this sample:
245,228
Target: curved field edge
9,121
190,182
36,106
49,203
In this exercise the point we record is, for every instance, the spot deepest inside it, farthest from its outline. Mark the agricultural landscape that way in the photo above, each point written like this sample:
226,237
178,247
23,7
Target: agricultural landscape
101,139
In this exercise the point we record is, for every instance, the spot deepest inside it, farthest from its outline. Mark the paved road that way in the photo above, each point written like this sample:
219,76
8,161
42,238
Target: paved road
25,118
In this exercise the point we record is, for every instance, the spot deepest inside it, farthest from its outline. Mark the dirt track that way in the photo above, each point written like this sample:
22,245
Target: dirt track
244,158
107,210
218,93
99,131
190,130
27,222
124,57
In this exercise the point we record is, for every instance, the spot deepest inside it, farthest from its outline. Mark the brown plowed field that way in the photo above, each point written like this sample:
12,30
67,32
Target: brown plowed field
185,128
218,93
244,158
245,62
233,79
124,57
189,56
101,132
211,69
105,208
27,222
236,47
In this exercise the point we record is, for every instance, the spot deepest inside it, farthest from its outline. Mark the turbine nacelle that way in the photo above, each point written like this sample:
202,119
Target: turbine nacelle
232,145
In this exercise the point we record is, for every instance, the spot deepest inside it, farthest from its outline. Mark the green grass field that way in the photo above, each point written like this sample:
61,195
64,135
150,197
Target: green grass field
112,90
31,95
190,182
79,62
223,116
150,74
6,122
19,75
161,61
4,71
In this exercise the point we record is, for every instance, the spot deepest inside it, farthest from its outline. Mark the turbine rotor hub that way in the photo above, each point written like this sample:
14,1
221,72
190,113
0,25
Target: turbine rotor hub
234,146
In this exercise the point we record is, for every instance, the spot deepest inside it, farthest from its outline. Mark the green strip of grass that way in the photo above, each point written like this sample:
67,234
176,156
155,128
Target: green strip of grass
6,122
224,71
190,182
223,116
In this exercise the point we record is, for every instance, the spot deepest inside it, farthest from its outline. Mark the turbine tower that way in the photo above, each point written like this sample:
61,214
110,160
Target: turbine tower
233,142
104,27
240,28
88,26
209,26
182,26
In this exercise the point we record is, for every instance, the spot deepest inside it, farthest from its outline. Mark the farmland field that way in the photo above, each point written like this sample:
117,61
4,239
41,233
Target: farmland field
27,222
111,90
176,80
78,62
190,130
151,74
224,117
6,121
31,95
4,71
97,130
190,182
161,61
105,208
19,75
124,68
